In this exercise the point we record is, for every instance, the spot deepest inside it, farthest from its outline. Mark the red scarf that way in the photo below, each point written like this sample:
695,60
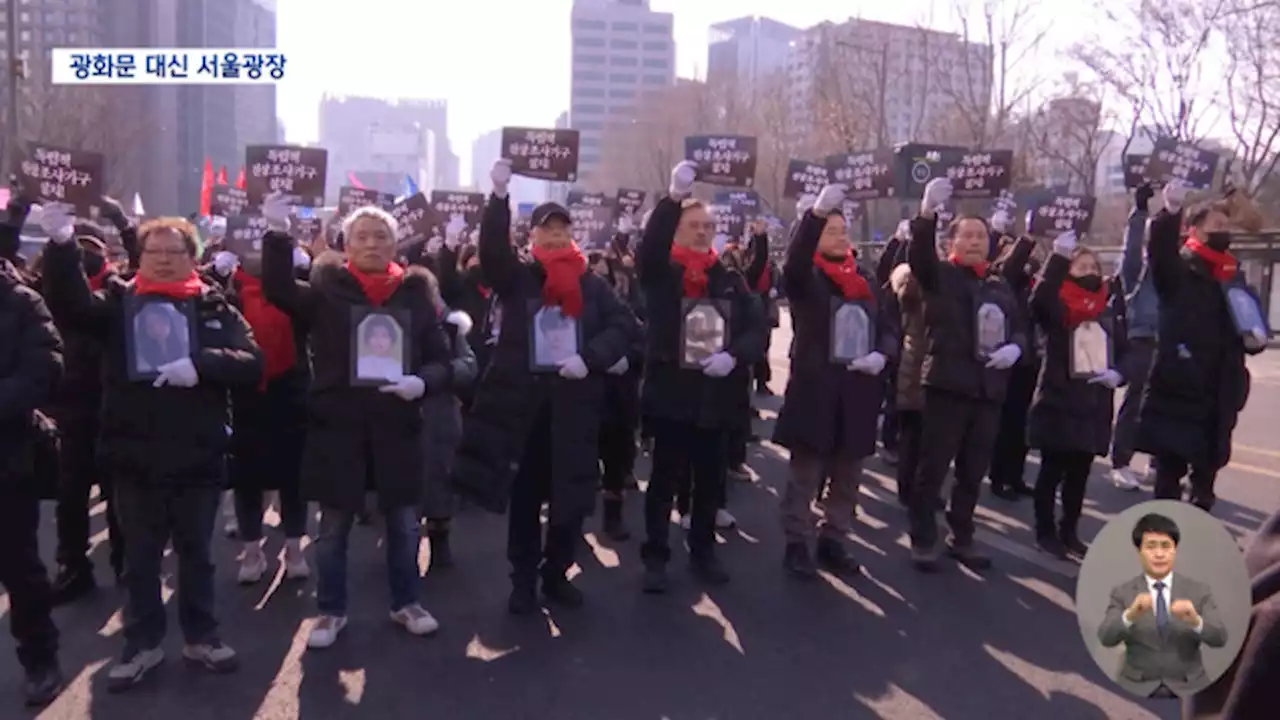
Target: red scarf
380,287
1222,265
96,281
979,269
183,289
844,273
563,285
765,283
695,264
271,327
1081,305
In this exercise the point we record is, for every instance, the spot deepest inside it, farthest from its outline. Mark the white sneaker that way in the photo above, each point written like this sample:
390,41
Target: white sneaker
685,522
415,619
253,565
1124,479
295,565
325,632
725,520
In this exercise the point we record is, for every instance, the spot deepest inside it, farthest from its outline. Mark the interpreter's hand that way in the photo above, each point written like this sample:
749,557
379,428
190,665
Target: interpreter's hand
1000,221
500,176
936,194
301,260
1065,243
1107,378
719,365
683,175
179,373
829,200
58,221
406,387
1175,195
872,364
1185,611
1140,606
573,368
225,263
621,367
1004,357
276,211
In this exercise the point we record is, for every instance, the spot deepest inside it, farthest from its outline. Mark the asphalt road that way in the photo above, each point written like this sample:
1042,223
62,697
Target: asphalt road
893,644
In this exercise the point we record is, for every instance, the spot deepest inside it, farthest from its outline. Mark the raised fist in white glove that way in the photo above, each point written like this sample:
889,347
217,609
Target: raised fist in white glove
454,229
904,230
1004,357
1064,243
829,200
871,364
1000,222
626,224
719,365
621,367
225,263
276,211
1109,378
936,194
683,176
301,260
573,368
805,204
1175,194
179,373
500,176
58,221
407,388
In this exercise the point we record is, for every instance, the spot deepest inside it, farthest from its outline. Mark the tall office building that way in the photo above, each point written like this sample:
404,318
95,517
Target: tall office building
381,141
620,49
748,50
485,151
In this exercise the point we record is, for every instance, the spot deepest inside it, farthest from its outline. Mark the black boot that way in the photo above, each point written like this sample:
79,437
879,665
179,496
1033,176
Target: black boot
708,568
524,598
797,560
833,555
441,557
1004,492
73,582
42,685
655,580
560,591
1049,543
614,527
1071,542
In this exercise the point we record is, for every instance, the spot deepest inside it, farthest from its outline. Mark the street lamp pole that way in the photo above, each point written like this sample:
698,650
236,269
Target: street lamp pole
17,70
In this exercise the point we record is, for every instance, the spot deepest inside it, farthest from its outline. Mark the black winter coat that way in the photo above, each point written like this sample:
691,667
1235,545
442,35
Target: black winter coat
673,393
358,438
510,399
170,435
952,296
1199,382
30,366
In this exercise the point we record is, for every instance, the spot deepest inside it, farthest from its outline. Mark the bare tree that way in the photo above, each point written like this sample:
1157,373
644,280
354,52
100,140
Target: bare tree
640,151
1068,135
769,119
1253,92
843,113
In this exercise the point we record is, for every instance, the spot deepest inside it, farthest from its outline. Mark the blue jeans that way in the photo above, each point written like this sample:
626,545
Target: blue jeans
331,558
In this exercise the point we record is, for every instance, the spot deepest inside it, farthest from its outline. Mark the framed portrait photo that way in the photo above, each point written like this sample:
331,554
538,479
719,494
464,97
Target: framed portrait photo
851,331
158,331
1246,311
380,346
1090,351
990,329
553,337
704,330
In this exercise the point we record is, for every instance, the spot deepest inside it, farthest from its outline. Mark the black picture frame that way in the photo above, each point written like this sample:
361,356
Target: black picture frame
368,375
1245,309
144,352
698,342
546,323
1090,351
839,351
985,339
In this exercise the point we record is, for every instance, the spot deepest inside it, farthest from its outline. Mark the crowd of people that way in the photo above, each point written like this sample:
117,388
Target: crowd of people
518,374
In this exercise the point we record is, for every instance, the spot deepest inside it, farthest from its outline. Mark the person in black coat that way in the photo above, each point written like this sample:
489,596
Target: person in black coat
1085,351
532,436
30,366
1199,382
164,434
463,288
692,396
363,433
973,338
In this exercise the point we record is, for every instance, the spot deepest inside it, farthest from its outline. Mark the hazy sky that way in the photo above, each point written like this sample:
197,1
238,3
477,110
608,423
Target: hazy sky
506,62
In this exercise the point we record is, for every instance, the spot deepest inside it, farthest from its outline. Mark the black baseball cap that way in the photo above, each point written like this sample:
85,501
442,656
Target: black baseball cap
548,210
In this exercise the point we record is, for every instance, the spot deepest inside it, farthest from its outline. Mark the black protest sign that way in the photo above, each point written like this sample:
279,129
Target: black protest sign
628,202
745,199
973,174
865,175
804,178
543,154
1062,213
728,160
50,174
1173,159
586,199
243,237
1135,170
350,198
228,201
592,225
448,204
414,219
297,172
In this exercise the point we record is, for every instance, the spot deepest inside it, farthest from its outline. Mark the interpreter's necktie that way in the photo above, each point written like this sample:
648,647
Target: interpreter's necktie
1162,608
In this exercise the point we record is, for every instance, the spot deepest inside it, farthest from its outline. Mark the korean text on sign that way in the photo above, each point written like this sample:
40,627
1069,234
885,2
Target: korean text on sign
47,173
166,66
1065,212
973,172
53,170
721,156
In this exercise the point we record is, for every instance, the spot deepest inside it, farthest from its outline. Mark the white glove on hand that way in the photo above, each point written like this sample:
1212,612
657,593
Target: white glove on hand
58,222
407,388
179,373
936,194
626,224
904,230
871,364
454,229
301,260
1109,378
1004,357
225,263
805,204
460,320
829,200
276,211
1000,222
621,367
1256,340
573,368
1065,243
683,176
500,176
719,365
1175,194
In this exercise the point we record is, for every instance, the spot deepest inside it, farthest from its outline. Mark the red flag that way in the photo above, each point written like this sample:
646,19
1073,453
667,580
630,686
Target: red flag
206,189
222,175
355,181
240,178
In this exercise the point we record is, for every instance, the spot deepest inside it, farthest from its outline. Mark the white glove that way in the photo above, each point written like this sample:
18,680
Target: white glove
872,363
301,260
475,236
805,204
225,263
829,200
179,373
1065,243
435,243
936,194
460,320
1000,222
1109,378
58,221
719,365
574,368
500,175
621,367
406,387
1004,357
1257,340
454,229
1175,194
276,211
904,230
682,179
626,224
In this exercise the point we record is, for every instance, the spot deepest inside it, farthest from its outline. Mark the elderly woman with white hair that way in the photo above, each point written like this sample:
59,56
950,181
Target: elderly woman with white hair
363,434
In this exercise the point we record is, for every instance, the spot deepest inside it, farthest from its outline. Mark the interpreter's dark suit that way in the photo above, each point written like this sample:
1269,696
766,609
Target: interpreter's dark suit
1171,657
